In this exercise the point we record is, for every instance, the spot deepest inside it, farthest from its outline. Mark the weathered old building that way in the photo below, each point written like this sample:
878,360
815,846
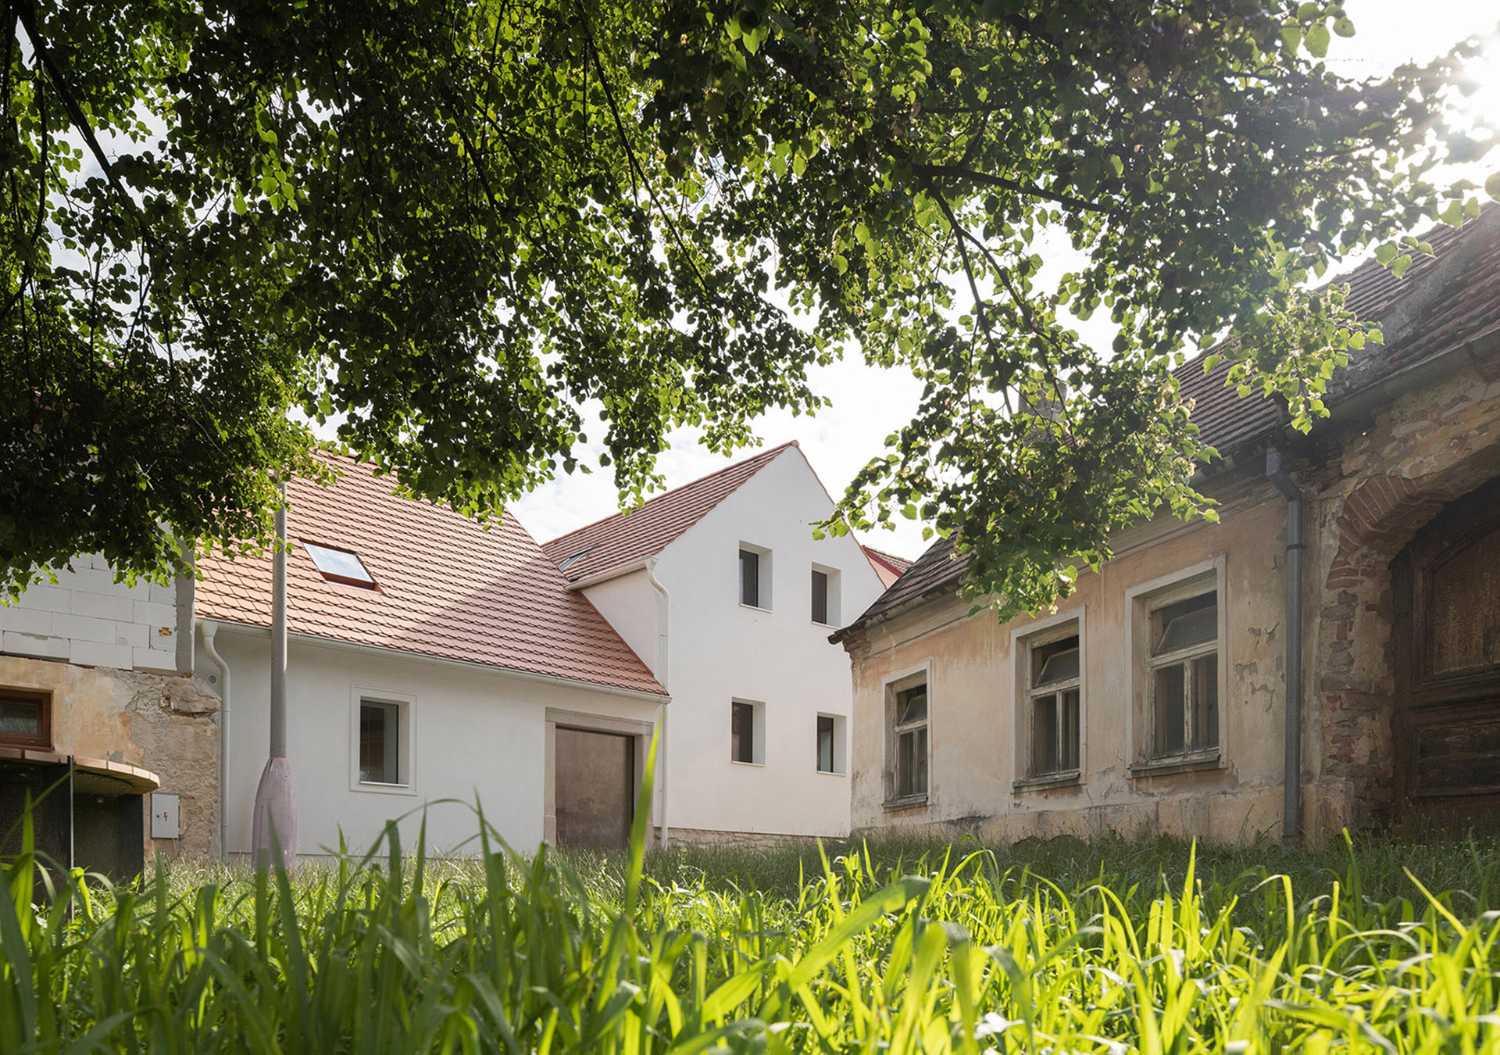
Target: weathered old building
1163,694
100,721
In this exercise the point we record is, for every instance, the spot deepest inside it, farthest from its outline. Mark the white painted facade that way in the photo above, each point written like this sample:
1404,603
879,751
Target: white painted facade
715,650
87,618
472,734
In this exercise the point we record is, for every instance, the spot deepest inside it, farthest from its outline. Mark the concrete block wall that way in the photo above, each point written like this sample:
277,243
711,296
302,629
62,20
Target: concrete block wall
89,619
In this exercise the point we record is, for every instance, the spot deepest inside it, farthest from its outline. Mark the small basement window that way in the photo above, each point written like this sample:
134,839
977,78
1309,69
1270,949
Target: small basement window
340,565
25,718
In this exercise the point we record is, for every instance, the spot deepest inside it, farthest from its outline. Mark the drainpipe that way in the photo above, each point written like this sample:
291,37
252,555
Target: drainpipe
663,628
275,820
1291,817
210,628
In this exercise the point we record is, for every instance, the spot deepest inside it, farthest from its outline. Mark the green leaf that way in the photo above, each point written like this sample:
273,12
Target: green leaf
1492,186
1317,40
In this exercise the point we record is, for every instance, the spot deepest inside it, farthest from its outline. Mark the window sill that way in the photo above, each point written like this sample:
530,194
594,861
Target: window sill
910,802
1184,763
754,608
833,773
1064,779
382,789
752,765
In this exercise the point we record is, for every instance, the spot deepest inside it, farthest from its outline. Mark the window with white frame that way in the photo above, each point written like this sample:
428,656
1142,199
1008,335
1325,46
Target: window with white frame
747,732
382,743
1052,701
825,596
908,739
1179,642
755,576
830,743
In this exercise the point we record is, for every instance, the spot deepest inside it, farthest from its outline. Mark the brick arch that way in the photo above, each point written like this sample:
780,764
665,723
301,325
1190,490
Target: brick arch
1354,660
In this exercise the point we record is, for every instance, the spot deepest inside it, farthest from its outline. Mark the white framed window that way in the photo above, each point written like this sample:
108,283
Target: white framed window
1179,668
382,733
755,576
831,744
825,595
908,738
747,732
1050,700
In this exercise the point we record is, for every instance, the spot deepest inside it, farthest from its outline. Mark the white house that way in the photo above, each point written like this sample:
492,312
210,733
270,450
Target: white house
429,658
721,588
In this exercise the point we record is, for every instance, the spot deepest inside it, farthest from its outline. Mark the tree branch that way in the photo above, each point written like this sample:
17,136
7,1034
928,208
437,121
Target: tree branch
988,180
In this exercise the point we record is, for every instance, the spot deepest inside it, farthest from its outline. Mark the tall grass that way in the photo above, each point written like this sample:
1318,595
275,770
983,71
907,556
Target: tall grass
1112,947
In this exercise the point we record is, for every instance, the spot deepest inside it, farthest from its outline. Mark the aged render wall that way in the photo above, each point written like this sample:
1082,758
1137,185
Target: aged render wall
1429,446
161,722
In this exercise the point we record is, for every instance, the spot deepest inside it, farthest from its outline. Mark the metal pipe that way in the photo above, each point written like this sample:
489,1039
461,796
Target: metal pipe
278,636
1291,817
274,824
210,628
663,640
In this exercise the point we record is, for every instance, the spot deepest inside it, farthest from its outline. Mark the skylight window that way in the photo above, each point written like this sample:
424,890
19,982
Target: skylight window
340,565
575,558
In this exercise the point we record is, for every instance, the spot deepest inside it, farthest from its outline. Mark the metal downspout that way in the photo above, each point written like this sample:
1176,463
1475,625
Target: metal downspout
210,628
663,634
1291,817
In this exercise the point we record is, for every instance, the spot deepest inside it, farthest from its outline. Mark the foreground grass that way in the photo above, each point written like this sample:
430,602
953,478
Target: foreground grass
1065,946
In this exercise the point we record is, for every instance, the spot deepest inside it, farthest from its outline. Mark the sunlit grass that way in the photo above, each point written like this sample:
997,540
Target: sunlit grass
1065,946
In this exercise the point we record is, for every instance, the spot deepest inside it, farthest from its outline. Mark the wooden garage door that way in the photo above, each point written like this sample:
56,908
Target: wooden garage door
595,790
1447,637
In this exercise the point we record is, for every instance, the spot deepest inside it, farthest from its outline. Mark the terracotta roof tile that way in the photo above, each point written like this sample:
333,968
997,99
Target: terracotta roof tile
887,566
1460,303
624,539
447,587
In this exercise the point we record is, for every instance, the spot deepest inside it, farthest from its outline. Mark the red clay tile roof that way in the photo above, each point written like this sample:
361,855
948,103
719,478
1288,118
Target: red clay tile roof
623,540
448,588
887,566
1421,320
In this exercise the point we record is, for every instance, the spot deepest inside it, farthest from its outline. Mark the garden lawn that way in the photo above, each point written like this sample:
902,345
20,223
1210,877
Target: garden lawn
1057,947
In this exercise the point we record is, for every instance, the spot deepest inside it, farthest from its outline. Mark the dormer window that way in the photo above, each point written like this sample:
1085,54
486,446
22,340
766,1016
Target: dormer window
340,565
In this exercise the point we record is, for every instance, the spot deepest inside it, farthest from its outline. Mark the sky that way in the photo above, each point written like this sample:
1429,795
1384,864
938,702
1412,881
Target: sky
869,403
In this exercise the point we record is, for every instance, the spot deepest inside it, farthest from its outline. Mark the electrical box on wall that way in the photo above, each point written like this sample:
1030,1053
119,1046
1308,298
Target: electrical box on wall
166,818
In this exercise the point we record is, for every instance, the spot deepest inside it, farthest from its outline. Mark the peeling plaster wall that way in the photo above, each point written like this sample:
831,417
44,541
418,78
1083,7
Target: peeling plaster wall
161,722
974,760
1372,479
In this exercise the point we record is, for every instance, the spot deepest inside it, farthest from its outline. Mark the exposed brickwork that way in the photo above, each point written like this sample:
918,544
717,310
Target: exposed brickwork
1423,450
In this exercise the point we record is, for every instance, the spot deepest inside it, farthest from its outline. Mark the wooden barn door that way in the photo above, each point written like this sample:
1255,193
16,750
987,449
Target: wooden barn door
1447,638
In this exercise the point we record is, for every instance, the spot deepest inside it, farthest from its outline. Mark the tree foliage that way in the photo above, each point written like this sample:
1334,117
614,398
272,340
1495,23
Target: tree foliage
440,228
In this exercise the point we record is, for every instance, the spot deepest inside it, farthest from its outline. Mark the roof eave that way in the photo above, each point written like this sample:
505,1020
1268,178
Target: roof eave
256,629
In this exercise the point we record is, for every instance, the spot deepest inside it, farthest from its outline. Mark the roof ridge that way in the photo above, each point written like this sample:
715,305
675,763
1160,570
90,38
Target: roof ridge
887,553
671,491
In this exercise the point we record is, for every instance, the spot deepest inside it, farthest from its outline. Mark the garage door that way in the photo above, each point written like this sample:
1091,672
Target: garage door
595,788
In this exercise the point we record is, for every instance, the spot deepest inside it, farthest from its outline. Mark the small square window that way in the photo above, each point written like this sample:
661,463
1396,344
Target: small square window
746,732
755,576
339,565
25,718
381,751
825,596
831,743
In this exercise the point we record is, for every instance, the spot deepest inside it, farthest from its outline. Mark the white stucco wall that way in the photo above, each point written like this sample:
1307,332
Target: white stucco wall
85,617
720,651
474,733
